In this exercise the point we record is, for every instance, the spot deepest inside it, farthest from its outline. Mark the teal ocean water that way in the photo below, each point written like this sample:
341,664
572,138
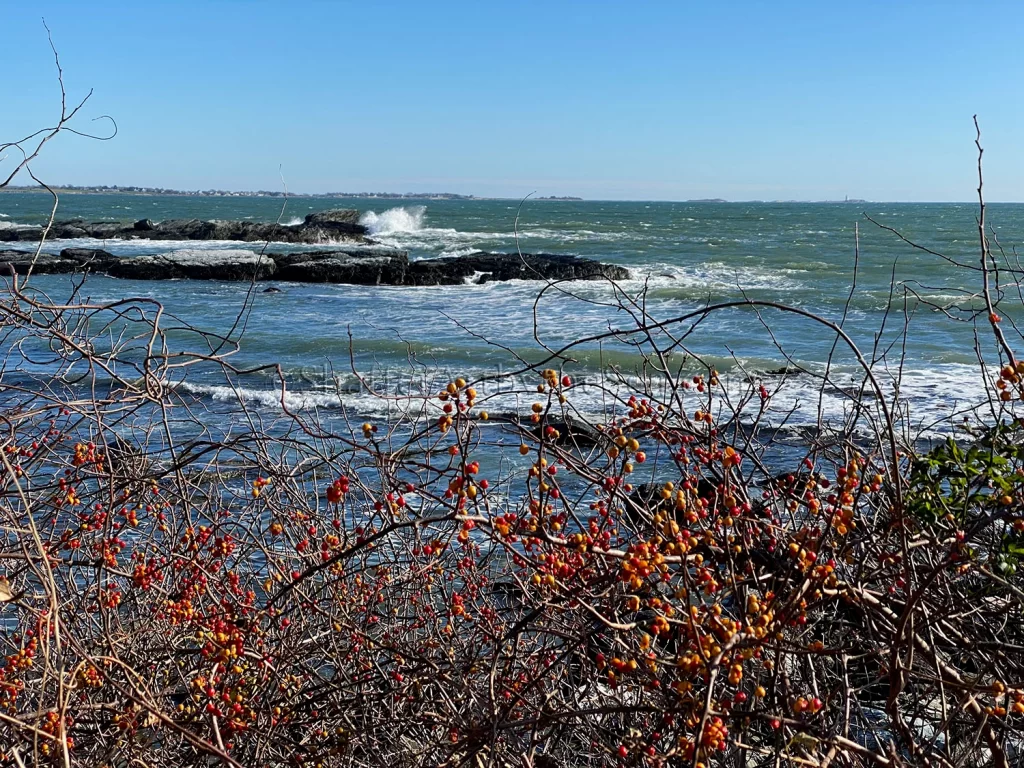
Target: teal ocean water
681,255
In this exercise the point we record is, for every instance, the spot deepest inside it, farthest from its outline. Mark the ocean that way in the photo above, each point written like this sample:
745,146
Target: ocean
681,255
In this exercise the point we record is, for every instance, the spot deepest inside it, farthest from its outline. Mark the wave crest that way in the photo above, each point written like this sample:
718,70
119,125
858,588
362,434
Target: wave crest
409,219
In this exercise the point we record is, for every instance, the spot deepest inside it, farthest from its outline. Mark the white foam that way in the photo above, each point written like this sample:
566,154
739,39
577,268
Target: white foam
475,277
406,228
409,219
579,235
928,398
456,252
361,403
713,276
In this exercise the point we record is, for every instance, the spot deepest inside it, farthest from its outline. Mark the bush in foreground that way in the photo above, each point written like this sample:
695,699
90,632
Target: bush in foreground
643,589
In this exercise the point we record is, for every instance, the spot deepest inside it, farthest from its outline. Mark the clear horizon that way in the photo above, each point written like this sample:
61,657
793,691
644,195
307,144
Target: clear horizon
667,102
425,195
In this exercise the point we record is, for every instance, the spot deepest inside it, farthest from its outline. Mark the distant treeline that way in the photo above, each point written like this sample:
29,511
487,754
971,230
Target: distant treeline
132,190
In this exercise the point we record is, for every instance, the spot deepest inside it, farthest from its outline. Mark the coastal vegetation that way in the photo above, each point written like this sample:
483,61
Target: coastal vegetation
656,585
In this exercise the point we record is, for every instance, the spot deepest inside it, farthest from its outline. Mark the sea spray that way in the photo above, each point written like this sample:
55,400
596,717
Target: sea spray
408,219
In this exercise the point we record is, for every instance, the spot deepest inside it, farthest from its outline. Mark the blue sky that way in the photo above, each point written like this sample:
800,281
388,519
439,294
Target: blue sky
640,100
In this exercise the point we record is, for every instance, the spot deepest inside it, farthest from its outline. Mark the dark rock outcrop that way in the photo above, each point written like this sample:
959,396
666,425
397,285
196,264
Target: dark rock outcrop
337,224
326,226
786,370
70,260
195,265
366,266
381,266
332,218
479,268
356,265
569,430
45,264
95,258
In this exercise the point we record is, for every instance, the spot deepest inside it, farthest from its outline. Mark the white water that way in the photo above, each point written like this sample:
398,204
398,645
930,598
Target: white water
395,220
406,227
795,401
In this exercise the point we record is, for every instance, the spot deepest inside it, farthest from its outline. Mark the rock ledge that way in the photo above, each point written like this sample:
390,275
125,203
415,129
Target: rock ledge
357,265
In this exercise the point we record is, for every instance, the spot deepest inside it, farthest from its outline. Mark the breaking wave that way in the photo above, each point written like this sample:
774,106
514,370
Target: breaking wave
394,220
407,228
933,393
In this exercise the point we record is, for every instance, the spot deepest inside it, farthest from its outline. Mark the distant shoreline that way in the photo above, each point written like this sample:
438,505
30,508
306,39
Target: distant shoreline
160,192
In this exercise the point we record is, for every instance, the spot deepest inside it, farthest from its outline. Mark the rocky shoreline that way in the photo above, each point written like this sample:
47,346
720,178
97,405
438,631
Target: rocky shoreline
323,227
353,265
356,259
